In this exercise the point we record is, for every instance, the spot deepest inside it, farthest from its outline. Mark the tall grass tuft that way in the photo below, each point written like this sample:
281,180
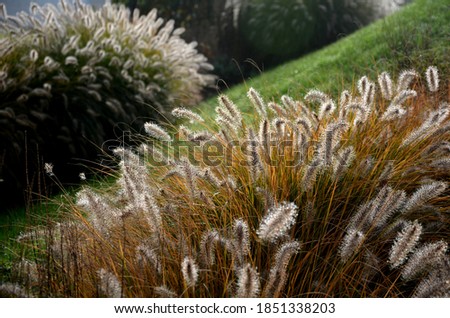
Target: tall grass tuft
72,77
311,206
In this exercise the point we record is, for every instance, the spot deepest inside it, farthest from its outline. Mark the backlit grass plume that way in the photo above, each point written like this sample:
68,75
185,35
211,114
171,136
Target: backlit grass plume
72,77
287,204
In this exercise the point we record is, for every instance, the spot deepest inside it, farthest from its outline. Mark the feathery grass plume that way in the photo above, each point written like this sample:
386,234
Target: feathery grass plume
402,96
326,109
369,95
226,121
343,160
278,221
209,176
363,85
277,109
344,100
208,246
434,286
264,137
241,241
234,112
430,127
405,79
108,285
257,102
423,258
393,112
248,282
404,243
182,112
305,125
254,161
144,252
432,76
330,137
315,95
102,215
189,269
424,194
289,104
157,132
200,137
351,243
385,83
278,275
310,174
365,215
190,174
279,125
164,292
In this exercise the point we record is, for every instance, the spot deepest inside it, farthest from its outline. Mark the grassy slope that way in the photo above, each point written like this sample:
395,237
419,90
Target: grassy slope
414,37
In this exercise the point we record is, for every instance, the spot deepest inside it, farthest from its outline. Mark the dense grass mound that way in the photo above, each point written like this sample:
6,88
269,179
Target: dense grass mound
348,201
72,78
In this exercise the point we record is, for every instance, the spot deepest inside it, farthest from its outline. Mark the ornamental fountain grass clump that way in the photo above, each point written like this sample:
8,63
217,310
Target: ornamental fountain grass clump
72,78
348,201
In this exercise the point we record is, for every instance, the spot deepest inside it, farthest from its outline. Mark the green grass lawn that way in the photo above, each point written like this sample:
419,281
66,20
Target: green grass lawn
415,37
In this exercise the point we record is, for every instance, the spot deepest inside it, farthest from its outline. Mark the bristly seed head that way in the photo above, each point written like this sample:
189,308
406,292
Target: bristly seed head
278,221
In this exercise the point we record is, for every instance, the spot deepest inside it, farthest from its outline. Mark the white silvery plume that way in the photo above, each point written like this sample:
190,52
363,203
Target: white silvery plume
310,174
234,112
144,251
402,96
248,282
315,95
330,137
430,126
432,76
190,174
278,221
405,79
424,194
278,275
185,113
393,112
264,137
385,83
326,108
254,161
289,104
208,245
157,132
102,215
351,243
34,55
108,284
427,256
189,269
257,102
241,242
404,243
343,161
363,85
164,292
369,95
434,286
277,109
